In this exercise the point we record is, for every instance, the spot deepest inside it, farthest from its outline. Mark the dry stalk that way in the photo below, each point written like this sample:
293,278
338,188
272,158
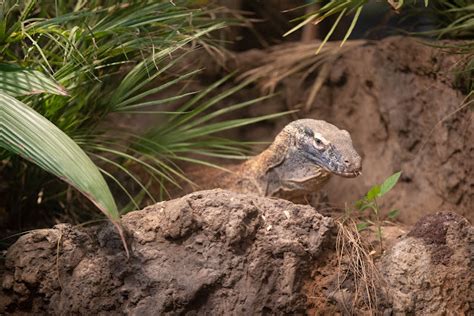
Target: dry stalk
286,60
355,261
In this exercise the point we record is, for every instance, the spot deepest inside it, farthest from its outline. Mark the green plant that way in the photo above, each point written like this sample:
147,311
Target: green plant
340,8
26,133
446,20
112,57
371,202
451,19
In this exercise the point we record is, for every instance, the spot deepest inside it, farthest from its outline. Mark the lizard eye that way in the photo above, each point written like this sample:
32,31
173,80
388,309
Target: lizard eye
318,143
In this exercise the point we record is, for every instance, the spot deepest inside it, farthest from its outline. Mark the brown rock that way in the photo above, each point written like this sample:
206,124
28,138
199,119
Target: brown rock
210,252
430,271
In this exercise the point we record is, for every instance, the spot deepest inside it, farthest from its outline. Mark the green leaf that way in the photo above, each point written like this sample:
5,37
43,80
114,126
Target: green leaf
328,35
393,214
370,205
309,19
351,27
359,204
389,183
16,81
28,134
373,193
361,226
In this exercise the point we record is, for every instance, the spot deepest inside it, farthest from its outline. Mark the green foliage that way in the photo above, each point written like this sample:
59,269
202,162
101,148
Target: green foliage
112,57
451,19
18,81
28,134
341,8
388,184
370,201
88,50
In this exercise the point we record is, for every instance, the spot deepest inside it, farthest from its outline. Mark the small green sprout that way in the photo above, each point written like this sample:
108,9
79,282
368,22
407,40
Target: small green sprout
369,201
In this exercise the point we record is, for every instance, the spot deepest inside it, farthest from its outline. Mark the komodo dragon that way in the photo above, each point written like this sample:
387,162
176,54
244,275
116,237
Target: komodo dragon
300,160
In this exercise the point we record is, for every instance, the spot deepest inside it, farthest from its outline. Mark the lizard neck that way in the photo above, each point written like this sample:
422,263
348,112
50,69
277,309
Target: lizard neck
276,173
290,181
258,169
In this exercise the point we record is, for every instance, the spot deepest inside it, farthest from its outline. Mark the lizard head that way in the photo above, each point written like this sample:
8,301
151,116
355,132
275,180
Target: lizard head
319,143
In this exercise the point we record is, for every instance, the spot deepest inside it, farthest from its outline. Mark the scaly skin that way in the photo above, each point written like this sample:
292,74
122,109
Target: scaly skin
300,161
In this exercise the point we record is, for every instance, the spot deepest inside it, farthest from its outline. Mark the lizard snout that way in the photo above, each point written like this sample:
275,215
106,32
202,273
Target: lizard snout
352,167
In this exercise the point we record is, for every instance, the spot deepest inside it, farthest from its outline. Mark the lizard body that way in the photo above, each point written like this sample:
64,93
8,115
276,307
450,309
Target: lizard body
300,161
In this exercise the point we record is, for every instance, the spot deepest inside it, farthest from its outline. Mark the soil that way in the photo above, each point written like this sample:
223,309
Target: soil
398,109
399,100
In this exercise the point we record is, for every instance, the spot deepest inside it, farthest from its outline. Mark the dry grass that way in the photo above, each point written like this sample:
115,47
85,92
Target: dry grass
287,60
358,280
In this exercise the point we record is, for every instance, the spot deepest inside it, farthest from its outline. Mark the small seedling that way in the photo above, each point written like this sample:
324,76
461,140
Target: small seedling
369,201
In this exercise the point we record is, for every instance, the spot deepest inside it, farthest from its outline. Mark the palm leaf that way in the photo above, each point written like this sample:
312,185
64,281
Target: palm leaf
17,81
28,134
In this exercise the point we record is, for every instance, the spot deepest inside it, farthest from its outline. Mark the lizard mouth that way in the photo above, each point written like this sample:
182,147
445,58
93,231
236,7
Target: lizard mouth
348,174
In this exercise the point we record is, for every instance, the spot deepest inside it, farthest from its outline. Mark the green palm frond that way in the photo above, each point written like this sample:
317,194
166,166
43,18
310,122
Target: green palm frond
340,8
191,130
18,81
119,57
28,134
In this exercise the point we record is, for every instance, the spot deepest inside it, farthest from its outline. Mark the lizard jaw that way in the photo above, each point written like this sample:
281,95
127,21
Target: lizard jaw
351,174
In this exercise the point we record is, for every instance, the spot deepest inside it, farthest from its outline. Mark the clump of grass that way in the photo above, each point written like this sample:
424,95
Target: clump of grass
452,20
446,20
297,58
340,8
355,266
355,255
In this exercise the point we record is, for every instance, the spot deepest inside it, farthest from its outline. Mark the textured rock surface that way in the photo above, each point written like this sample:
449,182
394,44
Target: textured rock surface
211,252
431,270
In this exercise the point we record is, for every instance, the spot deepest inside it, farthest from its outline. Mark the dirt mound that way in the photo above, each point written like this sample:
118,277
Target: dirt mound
397,107
398,99
430,271
211,252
